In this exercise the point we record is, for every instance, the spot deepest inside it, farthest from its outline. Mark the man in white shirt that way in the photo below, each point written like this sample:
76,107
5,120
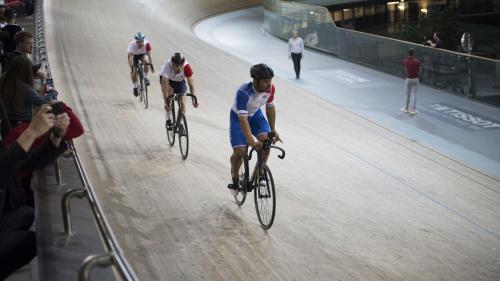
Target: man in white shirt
295,50
139,49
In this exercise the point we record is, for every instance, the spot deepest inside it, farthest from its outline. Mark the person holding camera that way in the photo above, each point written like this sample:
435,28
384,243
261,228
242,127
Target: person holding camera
75,129
18,245
16,90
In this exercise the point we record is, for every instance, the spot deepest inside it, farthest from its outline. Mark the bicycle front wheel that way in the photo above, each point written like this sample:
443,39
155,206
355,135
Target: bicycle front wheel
171,132
141,84
265,199
183,136
145,96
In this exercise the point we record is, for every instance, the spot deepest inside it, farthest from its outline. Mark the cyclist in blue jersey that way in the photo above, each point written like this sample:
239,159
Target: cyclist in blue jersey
247,120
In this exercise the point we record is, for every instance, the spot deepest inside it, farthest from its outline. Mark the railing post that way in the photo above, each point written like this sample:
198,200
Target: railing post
66,210
102,260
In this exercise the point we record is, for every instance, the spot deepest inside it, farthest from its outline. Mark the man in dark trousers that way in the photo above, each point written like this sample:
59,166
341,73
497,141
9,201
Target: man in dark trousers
295,51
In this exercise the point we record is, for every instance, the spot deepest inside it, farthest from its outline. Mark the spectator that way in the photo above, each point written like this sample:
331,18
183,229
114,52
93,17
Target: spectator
16,90
24,47
75,129
9,31
18,245
295,51
437,40
412,72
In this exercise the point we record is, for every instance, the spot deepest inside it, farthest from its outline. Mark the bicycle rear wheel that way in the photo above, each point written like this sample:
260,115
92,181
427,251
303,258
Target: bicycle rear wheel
265,199
183,136
171,133
242,183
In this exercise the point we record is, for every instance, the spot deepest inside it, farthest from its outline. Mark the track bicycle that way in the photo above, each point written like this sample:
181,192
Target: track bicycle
143,87
179,123
261,182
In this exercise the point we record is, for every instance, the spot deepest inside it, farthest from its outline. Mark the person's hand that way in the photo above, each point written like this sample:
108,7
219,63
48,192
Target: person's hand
61,125
256,145
277,137
42,121
195,102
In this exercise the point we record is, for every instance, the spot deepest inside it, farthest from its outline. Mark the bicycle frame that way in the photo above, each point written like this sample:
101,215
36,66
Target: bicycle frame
267,145
178,98
139,67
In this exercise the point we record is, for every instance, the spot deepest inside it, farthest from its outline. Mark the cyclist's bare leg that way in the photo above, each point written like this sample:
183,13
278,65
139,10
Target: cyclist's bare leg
264,154
133,75
237,160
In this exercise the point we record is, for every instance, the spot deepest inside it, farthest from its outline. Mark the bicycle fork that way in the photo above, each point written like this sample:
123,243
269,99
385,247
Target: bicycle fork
256,177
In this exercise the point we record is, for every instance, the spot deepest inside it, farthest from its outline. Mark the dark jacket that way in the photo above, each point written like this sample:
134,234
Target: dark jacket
7,58
14,159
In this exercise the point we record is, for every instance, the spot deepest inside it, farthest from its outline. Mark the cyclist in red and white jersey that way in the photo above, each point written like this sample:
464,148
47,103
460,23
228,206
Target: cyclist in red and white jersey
173,76
139,49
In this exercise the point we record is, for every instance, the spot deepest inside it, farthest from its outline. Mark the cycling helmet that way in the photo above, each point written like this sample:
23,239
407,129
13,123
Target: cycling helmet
139,36
261,71
178,59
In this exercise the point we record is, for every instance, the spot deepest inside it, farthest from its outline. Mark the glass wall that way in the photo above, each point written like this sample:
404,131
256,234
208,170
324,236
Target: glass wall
455,72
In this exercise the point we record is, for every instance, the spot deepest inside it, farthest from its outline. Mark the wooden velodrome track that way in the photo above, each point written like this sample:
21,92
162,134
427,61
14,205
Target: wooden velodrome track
355,200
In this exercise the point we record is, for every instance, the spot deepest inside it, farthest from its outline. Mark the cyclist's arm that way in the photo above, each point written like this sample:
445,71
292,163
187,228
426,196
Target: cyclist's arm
130,60
150,59
191,85
245,128
164,87
271,117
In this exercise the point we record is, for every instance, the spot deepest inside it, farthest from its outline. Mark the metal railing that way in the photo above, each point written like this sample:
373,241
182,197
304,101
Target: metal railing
464,74
113,255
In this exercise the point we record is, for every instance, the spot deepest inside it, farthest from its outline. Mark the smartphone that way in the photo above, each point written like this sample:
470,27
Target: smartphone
49,84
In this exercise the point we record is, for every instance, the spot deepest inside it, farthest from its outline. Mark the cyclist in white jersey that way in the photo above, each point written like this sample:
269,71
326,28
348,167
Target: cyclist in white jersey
247,120
139,49
173,76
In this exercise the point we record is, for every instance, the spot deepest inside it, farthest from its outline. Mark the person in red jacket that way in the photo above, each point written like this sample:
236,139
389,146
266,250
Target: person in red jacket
75,129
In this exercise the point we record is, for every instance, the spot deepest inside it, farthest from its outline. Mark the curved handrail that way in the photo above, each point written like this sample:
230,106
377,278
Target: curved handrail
107,235
110,243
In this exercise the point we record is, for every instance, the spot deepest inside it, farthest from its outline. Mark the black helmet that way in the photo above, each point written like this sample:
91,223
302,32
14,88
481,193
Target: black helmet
261,71
178,59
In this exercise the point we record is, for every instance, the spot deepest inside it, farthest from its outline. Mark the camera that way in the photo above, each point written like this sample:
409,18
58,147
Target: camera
57,108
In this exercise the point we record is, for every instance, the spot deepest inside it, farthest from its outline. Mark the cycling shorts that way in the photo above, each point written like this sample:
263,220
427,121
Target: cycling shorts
179,87
258,126
138,57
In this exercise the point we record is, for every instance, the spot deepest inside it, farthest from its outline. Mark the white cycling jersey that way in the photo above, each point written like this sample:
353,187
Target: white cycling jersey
132,48
168,72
